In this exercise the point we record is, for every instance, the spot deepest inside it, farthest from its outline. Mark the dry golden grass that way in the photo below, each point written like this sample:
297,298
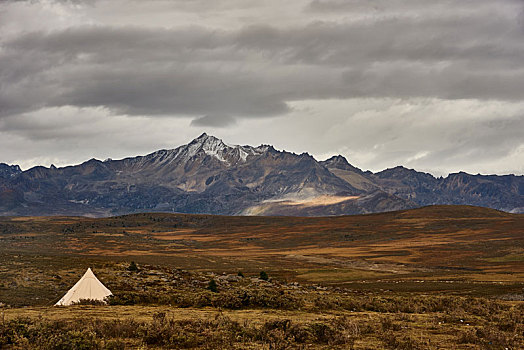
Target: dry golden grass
434,243
144,313
95,327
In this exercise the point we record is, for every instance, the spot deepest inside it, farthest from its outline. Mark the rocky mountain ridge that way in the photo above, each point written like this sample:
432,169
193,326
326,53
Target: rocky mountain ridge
210,176
8,171
502,192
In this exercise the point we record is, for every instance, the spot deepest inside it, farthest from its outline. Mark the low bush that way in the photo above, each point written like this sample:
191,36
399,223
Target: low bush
132,267
263,275
402,342
212,286
93,302
230,299
219,333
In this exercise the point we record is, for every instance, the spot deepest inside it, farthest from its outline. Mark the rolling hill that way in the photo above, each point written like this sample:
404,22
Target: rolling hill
429,241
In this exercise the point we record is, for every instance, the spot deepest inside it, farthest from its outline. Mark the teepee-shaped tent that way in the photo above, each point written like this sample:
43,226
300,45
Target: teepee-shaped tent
88,287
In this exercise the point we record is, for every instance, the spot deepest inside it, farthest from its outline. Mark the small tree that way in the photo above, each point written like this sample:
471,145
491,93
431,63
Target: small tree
132,266
264,276
240,274
212,286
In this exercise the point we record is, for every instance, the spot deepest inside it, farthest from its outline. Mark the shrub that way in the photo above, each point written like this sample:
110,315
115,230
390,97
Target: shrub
347,331
124,298
403,342
71,340
221,332
263,275
90,302
322,332
468,336
114,344
388,324
132,266
212,286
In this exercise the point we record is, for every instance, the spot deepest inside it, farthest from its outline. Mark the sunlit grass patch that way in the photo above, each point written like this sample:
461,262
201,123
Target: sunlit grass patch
339,275
514,257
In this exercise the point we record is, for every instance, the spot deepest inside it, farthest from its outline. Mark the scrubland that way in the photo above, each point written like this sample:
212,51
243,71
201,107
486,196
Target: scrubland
432,278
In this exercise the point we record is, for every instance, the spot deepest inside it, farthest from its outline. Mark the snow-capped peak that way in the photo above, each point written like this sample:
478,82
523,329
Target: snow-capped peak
215,147
204,144
210,145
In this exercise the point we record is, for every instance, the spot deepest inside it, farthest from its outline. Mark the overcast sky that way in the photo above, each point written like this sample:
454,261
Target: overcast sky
433,85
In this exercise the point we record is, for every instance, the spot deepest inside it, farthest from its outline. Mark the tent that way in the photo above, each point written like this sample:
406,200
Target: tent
88,287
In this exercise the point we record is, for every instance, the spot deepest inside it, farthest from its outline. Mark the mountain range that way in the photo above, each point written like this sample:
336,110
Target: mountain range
210,176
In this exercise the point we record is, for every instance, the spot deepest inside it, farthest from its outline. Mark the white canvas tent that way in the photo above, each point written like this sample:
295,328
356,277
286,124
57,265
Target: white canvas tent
88,287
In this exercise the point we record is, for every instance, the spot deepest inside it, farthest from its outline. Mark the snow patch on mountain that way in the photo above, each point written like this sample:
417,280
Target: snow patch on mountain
214,147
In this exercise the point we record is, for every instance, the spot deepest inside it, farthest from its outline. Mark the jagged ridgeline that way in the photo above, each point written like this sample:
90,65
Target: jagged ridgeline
210,176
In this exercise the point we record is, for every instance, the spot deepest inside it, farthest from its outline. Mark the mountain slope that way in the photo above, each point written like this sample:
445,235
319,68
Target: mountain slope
504,192
8,171
340,167
204,176
499,192
210,176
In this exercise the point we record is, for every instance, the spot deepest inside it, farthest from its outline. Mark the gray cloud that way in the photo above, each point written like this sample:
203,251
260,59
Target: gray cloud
230,64
218,121
256,70
405,7
132,71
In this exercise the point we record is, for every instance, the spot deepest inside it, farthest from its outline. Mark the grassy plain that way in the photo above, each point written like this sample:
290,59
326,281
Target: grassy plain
436,277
